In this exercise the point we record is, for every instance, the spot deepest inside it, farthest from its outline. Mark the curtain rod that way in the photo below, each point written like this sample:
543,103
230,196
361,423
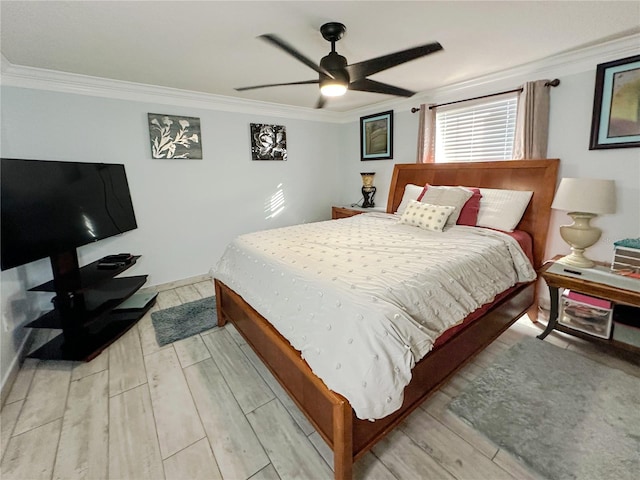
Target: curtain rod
553,83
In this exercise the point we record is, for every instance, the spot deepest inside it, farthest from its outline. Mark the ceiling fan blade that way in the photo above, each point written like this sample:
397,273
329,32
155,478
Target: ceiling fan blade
321,101
278,42
374,65
367,85
305,82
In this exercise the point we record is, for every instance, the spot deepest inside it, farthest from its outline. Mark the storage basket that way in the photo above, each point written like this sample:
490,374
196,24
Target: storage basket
586,314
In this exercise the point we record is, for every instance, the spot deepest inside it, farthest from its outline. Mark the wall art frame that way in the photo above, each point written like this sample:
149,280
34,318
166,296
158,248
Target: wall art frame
175,137
268,142
376,136
616,105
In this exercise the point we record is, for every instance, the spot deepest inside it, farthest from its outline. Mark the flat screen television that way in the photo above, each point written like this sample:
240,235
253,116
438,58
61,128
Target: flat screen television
49,208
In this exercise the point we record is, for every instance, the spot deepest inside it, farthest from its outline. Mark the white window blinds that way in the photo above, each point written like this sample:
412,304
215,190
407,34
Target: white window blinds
477,132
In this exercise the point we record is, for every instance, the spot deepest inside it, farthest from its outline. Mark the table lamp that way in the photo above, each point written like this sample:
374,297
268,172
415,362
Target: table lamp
368,190
583,199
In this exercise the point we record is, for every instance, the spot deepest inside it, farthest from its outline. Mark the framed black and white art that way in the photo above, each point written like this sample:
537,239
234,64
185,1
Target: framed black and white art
268,142
175,137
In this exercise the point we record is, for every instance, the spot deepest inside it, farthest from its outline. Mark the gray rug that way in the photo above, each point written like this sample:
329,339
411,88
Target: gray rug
565,416
176,323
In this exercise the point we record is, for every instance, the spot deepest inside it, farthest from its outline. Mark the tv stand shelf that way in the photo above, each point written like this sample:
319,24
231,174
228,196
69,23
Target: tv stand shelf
96,302
85,309
90,276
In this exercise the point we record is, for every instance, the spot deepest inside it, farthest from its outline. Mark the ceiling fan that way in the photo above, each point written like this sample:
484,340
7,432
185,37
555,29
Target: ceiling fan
336,76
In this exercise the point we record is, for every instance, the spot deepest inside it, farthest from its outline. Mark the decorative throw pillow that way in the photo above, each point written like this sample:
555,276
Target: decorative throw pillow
411,192
427,216
502,209
442,195
469,213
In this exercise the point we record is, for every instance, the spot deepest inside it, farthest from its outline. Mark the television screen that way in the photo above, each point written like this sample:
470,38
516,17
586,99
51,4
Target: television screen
51,207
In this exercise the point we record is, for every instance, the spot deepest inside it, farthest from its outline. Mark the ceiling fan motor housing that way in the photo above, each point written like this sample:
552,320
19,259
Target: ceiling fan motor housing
336,65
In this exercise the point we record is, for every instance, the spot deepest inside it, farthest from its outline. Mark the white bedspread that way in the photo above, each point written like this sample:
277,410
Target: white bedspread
364,298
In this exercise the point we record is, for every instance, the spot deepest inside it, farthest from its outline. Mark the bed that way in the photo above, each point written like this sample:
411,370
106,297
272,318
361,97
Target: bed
331,413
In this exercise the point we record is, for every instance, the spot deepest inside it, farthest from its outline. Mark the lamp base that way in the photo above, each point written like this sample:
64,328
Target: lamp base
580,235
368,193
577,259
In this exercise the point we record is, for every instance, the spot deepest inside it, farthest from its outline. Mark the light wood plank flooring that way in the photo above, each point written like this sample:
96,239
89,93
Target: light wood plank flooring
207,408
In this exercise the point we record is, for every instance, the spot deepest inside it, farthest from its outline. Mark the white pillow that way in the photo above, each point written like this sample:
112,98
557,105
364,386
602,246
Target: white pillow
411,192
452,196
502,209
425,215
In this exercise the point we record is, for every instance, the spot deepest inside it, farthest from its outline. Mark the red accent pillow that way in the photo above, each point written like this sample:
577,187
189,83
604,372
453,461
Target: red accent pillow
424,190
469,213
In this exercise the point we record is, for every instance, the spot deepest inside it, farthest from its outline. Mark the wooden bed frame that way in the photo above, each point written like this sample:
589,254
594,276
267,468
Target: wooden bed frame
329,412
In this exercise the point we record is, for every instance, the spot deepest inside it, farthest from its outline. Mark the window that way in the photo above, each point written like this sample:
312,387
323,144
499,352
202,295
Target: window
480,131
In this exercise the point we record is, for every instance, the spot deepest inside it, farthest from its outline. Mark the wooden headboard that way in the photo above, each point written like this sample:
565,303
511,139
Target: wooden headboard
539,176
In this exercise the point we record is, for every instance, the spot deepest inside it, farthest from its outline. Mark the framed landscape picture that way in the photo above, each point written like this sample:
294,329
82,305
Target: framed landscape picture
616,105
376,136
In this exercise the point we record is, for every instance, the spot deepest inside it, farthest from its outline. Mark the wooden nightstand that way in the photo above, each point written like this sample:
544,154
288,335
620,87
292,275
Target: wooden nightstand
597,282
345,212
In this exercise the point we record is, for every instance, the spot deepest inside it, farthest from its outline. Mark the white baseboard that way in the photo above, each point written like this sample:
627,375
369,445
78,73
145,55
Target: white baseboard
179,283
12,372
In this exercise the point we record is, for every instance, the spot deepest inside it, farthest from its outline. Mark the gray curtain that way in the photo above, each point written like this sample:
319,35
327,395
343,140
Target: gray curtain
532,121
426,135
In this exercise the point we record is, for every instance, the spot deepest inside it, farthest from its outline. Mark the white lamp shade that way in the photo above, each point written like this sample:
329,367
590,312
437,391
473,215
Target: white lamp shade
588,195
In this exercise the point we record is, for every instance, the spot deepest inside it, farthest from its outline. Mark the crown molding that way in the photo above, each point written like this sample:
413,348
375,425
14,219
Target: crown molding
63,82
566,63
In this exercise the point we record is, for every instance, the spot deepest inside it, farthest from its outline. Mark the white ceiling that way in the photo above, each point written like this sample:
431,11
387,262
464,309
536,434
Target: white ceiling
211,46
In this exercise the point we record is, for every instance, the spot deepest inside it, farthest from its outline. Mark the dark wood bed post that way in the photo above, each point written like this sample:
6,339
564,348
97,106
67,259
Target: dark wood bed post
222,318
342,441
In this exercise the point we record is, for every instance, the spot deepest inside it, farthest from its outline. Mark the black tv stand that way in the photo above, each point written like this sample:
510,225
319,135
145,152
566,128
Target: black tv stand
84,307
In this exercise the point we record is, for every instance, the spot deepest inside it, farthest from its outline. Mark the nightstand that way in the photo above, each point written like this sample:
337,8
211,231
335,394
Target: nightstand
345,212
596,282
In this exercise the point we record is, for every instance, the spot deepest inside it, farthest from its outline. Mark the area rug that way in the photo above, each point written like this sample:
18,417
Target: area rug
175,323
564,415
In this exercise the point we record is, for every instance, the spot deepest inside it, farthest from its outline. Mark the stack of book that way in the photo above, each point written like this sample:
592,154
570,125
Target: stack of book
626,257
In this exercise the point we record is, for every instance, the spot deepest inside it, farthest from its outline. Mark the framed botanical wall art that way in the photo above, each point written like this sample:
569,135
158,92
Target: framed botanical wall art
268,142
376,136
175,136
616,105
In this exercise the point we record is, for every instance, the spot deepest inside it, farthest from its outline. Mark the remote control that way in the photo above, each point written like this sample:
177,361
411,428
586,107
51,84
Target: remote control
110,265
121,257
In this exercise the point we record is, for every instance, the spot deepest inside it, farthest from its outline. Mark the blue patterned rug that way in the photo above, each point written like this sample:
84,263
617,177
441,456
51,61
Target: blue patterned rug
564,415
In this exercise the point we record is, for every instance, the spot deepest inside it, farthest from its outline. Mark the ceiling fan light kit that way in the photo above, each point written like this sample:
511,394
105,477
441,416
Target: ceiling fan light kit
332,89
336,76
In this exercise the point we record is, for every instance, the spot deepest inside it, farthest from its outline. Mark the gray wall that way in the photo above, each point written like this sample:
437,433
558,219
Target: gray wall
187,210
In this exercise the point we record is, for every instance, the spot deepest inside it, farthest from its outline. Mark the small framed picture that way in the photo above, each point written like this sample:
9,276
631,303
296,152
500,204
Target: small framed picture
376,136
268,142
175,137
616,105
